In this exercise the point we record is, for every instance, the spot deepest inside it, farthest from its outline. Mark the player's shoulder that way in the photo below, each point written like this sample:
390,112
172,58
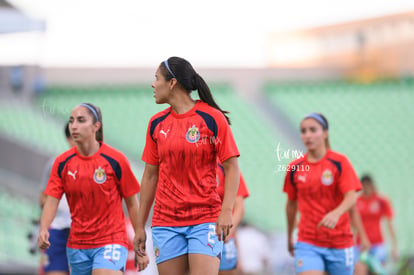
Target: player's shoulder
66,155
161,114
214,112
336,156
299,160
382,197
112,152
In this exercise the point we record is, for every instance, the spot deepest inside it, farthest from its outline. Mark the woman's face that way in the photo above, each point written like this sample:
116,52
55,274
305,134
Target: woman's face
81,125
367,188
162,88
312,134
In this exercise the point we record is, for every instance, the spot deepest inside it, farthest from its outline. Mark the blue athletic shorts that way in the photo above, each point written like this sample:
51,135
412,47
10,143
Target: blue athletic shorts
56,259
171,242
111,256
334,261
229,256
378,251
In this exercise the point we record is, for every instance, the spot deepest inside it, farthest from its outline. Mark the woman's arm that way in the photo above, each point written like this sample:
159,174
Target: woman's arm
291,211
393,236
331,219
147,196
238,213
42,199
48,214
231,185
358,227
133,207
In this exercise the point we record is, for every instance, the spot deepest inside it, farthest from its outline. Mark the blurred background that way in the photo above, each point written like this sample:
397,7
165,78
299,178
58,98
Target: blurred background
267,62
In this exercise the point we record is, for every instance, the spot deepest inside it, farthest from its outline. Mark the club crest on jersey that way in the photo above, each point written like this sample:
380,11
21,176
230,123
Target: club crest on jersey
193,135
99,177
327,177
374,207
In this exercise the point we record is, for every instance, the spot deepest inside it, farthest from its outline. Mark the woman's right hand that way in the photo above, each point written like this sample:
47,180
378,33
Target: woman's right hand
43,239
291,247
365,243
139,242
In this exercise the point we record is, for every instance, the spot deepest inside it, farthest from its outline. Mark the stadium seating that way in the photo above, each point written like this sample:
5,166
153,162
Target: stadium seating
15,224
31,126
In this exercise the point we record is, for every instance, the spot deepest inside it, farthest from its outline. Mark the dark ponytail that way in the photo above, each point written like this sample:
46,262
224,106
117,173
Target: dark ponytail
67,131
96,114
189,79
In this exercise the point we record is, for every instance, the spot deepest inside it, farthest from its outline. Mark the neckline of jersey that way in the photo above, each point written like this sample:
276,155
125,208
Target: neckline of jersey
319,161
90,157
186,114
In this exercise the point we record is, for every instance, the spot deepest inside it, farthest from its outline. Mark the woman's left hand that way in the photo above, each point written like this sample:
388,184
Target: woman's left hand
141,262
224,224
330,220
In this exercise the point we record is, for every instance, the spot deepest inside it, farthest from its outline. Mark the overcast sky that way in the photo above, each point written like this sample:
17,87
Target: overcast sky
225,33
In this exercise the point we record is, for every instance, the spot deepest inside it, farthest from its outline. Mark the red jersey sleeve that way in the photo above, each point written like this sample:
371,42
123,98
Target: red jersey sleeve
348,179
129,185
225,144
289,187
54,186
150,154
243,191
388,212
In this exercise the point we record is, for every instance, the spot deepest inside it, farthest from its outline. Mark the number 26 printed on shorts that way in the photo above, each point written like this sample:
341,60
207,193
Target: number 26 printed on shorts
112,252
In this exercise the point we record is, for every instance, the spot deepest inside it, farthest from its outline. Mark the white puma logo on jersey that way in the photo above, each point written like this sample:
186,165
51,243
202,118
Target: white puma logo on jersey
164,133
72,174
301,178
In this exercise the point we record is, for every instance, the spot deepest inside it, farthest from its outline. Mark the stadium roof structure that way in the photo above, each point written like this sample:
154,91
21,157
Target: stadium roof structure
13,20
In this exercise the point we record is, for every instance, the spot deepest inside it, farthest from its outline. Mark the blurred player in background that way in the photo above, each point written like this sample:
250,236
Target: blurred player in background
229,257
322,186
373,208
254,250
94,177
54,260
183,142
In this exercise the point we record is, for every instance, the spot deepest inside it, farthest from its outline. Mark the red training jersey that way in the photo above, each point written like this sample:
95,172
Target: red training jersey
319,188
94,187
186,147
372,209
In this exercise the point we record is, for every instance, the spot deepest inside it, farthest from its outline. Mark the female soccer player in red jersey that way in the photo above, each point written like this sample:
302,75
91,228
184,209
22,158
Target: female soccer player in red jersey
229,257
94,177
373,208
190,221
322,186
